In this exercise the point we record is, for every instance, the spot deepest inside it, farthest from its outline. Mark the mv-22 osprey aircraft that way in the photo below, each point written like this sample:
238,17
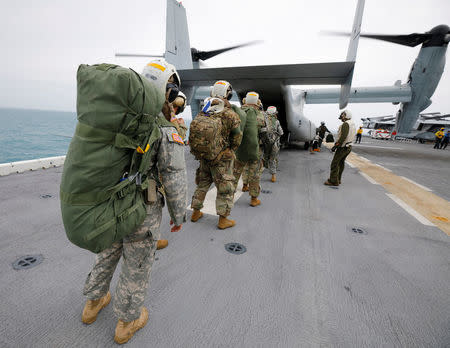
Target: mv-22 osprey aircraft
274,82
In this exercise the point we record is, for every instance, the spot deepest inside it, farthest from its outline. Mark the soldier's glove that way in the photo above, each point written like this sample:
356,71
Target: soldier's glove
333,149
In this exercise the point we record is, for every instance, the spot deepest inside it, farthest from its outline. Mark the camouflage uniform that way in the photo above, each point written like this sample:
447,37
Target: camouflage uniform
254,165
220,170
272,147
254,175
138,248
245,175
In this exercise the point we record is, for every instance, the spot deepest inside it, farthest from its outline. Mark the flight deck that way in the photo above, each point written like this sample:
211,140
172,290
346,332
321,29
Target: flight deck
323,266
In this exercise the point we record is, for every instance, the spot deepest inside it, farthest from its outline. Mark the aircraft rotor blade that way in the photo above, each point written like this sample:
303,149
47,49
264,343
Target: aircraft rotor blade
204,55
410,40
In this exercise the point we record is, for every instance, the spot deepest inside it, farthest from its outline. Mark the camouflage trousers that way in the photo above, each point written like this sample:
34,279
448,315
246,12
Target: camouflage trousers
245,175
254,175
221,174
271,152
138,251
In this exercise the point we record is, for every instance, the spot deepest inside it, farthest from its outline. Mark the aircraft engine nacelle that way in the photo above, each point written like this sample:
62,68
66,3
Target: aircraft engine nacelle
299,127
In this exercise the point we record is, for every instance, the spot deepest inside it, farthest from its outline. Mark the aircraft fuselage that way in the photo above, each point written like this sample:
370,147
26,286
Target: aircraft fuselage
424,78
299,127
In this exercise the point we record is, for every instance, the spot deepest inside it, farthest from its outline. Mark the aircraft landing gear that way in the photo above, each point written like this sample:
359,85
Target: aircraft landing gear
306,146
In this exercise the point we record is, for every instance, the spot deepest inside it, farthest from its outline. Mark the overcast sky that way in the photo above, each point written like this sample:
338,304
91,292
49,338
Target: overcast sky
44,41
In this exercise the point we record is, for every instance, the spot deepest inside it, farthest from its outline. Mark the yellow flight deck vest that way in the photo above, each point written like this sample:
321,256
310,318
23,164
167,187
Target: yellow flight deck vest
439,134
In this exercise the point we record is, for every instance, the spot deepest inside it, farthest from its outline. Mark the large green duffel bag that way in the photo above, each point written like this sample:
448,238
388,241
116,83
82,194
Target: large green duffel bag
107,165
249,148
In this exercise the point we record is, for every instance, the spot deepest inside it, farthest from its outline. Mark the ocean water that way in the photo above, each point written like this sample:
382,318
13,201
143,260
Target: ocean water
30,134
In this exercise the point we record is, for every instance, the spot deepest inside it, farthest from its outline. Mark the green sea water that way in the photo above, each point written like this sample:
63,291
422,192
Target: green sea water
30,134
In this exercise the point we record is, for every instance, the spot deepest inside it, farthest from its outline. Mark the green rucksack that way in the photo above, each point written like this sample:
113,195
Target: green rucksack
107,165
271,135
205,136
249,148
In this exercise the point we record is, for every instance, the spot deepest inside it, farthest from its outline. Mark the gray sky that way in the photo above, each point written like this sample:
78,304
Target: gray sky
43,42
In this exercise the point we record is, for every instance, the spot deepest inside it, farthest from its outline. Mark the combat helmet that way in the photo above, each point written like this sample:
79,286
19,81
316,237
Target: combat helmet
252,98
345,115
164,76
222,89
272,110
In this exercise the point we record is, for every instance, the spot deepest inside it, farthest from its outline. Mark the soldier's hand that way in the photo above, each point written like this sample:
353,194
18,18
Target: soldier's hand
176,228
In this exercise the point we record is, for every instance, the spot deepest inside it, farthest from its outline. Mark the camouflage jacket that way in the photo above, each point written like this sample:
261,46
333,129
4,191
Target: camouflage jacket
167,160
231,131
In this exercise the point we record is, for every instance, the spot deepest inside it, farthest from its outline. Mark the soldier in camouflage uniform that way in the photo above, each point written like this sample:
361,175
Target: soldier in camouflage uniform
138,248
176,107
249,152
220,170
272,145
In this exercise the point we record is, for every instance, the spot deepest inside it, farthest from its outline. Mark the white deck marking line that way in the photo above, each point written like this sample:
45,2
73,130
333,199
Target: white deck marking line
372,181
379,165
410,210
415,183
363,158
209,205
351,165
379,147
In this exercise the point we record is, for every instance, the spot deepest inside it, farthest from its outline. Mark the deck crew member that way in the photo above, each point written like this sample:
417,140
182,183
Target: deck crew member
322,130
445,140
439,135
359,135
343,147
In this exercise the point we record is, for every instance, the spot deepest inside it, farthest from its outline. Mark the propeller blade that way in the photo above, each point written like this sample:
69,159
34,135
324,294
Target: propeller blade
410,40
138,55
204,55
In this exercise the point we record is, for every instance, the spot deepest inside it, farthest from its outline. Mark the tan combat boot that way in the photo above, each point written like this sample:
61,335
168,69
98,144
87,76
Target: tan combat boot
255,202
161,244
196,215
245,188
126,330
225,223
274,178
93,307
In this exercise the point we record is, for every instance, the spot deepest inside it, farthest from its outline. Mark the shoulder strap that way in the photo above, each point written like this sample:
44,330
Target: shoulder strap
162,122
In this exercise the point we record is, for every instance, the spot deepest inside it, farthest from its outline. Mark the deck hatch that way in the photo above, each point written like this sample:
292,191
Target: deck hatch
46,196
27,262
235,248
